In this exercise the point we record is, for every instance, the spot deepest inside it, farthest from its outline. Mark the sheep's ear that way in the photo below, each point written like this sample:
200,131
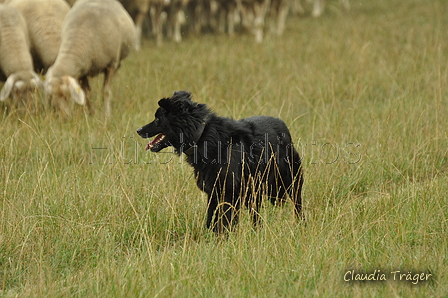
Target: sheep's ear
18,85
76,92
7,88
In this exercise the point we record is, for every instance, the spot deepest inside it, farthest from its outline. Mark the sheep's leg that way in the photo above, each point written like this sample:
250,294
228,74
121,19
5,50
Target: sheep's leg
174,21
297,7
231,19
107,90
281,20
318,8
138,29
156,19
259,12
346,4
87,90
245,23
199,19
180,19
222,20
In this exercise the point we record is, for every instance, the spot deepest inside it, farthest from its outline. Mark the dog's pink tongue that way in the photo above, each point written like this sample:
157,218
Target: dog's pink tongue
157,139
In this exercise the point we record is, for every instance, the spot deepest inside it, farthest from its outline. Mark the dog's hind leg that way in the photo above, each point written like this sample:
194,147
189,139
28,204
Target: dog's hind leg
222,216
296,195
296,187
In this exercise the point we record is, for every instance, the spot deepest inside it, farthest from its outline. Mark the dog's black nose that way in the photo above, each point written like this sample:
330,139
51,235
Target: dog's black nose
138,130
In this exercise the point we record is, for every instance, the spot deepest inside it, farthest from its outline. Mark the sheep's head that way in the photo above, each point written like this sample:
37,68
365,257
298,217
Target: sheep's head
61,90
20,85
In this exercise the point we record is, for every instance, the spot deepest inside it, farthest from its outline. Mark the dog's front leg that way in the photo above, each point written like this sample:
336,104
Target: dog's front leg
221,215
228,215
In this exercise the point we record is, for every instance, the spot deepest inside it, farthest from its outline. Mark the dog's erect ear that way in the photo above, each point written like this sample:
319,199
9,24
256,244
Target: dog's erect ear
165,103
177,101
181,95
181,101
174,106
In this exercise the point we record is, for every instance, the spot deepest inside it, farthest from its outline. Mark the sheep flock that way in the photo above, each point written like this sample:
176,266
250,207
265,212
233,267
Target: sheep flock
68,41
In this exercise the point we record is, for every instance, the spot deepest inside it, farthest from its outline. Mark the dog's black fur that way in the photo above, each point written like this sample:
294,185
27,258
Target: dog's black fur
235,162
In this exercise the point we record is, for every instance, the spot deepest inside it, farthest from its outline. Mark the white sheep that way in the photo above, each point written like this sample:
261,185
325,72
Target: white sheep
319,6
138,10
44,21
16,65
96,36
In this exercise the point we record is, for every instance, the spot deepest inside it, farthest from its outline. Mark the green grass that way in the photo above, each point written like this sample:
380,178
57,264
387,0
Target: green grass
364,94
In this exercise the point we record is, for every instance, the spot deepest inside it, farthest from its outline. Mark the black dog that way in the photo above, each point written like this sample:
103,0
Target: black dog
235,162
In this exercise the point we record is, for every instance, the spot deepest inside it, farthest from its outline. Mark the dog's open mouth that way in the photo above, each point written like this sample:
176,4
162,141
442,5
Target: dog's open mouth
156,141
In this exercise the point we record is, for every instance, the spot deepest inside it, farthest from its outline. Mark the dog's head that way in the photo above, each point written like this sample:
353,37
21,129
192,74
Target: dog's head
178,121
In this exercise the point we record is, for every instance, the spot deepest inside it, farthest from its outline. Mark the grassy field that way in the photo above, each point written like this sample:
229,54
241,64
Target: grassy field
86,212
